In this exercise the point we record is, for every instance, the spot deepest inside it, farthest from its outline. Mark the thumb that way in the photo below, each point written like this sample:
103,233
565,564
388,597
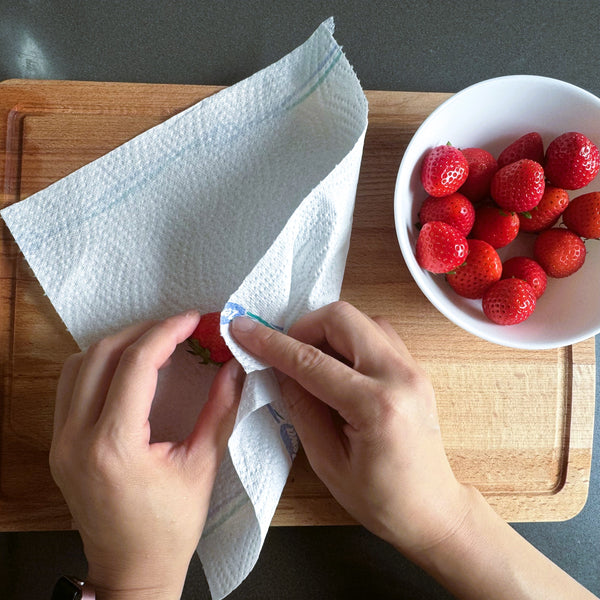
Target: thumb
217,417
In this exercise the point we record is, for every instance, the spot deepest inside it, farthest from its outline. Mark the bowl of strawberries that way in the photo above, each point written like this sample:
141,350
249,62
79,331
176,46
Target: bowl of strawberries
497,211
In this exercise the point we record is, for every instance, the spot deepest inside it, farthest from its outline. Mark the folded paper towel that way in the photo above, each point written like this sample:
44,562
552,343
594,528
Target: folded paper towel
243,201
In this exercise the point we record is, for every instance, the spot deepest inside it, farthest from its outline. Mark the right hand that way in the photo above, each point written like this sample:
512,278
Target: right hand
366,415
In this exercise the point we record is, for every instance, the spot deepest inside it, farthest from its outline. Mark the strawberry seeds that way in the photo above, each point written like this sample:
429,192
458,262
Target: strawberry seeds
477,204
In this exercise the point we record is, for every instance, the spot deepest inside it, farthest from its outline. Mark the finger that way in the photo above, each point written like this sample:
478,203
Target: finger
216,420
323,440
392,334
64,390
349,333
320,374
377,348
402,367
97,369
129,397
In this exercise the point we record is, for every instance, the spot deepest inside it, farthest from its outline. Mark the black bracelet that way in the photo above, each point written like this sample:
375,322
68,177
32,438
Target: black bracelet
71,588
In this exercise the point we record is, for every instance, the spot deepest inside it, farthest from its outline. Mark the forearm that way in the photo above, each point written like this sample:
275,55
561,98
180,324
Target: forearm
486,558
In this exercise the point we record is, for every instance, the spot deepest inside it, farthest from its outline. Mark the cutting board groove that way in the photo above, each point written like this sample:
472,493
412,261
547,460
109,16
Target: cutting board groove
516,424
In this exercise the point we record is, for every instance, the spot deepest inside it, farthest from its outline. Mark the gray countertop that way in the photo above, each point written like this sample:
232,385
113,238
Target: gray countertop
439,45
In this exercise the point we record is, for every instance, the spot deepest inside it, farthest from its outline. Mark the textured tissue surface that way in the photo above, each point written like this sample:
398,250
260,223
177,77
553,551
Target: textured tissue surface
243,202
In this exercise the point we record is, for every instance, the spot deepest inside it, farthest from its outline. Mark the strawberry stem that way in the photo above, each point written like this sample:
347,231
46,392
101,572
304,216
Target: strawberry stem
204,353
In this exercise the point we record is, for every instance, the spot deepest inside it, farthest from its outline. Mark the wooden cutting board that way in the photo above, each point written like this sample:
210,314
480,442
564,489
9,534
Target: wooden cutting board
516,424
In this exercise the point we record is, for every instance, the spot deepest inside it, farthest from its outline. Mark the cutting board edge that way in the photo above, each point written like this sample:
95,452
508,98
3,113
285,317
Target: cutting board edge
569,487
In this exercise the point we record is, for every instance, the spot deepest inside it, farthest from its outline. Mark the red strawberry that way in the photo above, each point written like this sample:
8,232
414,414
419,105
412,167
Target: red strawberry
455,209
518,186
444,170
528,270
482,268
582,216
494,226
482,167
559,251
546,213
529,146
509,301
440,247
207,342
572,161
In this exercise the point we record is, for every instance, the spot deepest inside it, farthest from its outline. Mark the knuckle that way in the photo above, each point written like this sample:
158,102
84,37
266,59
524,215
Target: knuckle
418,381
100,348
265,344
97,458
386,399
385,326
133,356
57,461
72,361
342,310
409,372
267,337
61,457
308,358
405,398
101,459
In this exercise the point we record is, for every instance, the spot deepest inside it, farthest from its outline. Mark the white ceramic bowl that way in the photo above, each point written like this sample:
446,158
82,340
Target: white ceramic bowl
491,115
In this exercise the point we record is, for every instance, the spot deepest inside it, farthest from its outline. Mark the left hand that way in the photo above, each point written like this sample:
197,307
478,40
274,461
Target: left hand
140,507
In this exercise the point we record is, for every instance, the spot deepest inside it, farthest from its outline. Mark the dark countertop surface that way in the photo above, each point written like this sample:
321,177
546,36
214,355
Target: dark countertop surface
440,45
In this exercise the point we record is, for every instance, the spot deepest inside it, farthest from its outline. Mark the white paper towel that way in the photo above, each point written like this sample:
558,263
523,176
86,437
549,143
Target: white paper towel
242,202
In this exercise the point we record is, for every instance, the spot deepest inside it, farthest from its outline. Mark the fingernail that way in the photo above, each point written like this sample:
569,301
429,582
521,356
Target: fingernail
243,324
236,371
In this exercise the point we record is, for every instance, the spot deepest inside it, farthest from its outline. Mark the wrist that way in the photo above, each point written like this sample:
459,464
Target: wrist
135,584
140,592
463,528
486,558
435,523
479,555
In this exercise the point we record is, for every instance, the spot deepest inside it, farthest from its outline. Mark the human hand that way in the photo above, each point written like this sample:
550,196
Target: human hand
365,413
140,507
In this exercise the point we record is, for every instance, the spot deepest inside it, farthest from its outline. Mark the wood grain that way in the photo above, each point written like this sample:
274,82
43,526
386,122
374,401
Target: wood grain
517,424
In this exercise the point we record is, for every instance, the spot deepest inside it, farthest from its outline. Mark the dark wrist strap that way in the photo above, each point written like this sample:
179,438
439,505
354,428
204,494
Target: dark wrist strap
71,588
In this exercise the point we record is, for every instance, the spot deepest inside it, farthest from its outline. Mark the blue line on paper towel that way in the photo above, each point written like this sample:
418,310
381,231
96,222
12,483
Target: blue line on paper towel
338,54
233,509
233,310
37,239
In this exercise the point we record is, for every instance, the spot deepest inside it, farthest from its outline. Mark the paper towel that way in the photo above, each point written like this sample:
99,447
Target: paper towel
243,202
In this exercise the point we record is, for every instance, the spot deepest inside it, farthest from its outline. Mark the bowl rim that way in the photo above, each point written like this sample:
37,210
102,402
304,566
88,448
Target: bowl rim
449,310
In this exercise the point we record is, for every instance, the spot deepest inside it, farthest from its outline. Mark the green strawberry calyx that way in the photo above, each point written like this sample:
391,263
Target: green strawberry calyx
204,353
